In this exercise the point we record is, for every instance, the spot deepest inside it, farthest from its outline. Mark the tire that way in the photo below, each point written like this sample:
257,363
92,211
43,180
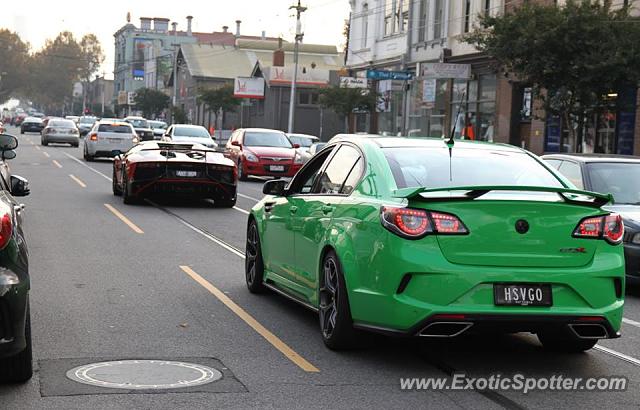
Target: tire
241,174
114,185
21,131
253,262
336,324
44,142
563,342
224,203
86,155
127,198
19,368
76,145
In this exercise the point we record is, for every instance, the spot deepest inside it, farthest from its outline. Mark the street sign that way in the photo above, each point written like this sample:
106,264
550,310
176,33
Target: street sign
249,87
429,92
353,82
446,70
131,98
389,75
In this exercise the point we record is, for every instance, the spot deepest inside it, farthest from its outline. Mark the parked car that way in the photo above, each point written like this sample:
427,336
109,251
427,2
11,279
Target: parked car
190,134
31,124
141,125
15,319
61,131
155,168
159,128
263,152
618,175
305,142
109,139
395,235
317,147
85,124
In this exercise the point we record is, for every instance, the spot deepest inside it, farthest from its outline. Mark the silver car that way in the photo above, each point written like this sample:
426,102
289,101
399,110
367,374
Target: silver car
60,131
108,139
189,134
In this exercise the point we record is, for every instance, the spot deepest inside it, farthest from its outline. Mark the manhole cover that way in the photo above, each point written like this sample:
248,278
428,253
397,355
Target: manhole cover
144,374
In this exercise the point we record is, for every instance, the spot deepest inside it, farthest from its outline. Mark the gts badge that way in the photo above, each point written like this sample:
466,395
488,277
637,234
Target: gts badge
573,250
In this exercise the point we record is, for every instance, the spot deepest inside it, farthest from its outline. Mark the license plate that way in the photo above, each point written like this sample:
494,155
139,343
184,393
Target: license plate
189,174
277,168
522,295
114,140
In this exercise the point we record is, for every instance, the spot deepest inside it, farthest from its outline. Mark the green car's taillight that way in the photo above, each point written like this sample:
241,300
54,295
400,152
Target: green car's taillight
414,223
608,227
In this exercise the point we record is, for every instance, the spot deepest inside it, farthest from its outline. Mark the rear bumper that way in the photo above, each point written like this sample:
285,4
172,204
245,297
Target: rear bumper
97,149
196,188
65,139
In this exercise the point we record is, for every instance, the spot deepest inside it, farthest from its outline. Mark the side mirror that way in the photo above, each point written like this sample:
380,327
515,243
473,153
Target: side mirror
275,187
296,146
19,186
236,144
10,154
8,142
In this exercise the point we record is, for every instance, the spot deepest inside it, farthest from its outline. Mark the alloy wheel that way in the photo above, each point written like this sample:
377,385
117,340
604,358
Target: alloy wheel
328,297
251,254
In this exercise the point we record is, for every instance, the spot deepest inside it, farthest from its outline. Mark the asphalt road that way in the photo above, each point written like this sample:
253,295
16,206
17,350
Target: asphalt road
166,281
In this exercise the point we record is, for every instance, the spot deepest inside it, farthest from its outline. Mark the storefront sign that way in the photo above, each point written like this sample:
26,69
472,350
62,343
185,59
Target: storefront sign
122,98
445,70
353,82
249,87
389,75
429,92
284,75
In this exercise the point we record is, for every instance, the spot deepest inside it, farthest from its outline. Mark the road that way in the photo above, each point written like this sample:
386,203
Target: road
165,281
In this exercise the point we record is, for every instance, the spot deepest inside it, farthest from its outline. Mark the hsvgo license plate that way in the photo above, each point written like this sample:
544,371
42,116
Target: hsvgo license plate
522,294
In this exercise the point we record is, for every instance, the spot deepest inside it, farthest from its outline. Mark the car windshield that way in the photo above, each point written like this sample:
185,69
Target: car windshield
139,123
266,139
431,168
33,119
115,128
301,140
195,132
158,124
622,180
62,124
86,120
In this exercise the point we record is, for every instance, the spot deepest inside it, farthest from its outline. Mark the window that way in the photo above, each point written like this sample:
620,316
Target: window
467,15
353,178
266,139
622,180
571,170
338,170
396,16
305,180
438,20
424,18
365,24
487,7
308,98
554,163
475,118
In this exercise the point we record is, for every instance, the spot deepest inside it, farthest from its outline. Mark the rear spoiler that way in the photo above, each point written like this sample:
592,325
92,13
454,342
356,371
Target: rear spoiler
462,193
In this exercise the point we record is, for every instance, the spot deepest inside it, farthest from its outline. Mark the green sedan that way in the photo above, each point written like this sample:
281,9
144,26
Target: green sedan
420,237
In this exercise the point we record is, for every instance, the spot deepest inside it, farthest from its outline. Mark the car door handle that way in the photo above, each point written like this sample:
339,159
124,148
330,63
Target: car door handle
293,209
268,206
327,209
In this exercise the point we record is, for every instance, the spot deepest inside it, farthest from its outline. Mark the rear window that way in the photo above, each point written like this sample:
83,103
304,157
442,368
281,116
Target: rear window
62,123
138,123
195,132
430,168
115,128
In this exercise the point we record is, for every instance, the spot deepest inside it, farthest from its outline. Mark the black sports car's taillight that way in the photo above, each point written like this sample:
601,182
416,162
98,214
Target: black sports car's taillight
222,173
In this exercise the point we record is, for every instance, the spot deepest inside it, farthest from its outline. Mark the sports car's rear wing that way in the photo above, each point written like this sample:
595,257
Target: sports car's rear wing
462,193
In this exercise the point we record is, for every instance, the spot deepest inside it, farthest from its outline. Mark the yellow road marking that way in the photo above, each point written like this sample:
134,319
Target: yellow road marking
57,164
124,219
275,341
75,178
46,154
37,147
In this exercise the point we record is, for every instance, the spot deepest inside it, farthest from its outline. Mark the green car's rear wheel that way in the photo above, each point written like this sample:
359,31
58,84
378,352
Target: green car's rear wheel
563,342
336,324
253,264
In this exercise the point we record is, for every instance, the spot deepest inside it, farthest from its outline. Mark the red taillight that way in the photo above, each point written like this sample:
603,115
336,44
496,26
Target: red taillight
93,137
415,223
609,227
6,230
131,169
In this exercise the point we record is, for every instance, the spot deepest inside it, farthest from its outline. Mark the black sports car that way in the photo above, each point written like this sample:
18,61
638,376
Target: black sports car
15,329
154,168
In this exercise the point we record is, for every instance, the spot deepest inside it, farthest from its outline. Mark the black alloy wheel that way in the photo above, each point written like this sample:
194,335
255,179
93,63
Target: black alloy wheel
253,263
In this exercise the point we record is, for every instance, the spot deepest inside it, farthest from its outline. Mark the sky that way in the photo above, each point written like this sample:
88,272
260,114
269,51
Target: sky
323,22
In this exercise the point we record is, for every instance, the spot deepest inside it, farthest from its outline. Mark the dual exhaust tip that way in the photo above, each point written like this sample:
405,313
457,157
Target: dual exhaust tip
453,329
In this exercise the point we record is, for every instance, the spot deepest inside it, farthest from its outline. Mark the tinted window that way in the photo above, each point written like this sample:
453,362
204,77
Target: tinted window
116,128
353,178
305,180
196,132
158,124
337,171
266,139
432,168
620,179
555,163
571,170
87,120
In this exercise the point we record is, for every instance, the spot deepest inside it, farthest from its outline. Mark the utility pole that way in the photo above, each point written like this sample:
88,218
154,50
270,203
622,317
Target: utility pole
299,35
175,81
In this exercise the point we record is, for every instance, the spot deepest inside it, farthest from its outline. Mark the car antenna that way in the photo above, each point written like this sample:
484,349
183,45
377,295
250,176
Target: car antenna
451,141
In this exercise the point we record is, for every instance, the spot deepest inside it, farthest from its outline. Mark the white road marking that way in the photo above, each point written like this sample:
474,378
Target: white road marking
619,355
248,197
87,166
38,147
241,210
57,164
630,322
46,154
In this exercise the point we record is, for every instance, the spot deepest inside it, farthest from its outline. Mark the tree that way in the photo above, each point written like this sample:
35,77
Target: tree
13,64
344,101
219,100
151,102
91,58
573,56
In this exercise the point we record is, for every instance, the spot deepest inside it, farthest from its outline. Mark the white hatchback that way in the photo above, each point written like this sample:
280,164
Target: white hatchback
108,139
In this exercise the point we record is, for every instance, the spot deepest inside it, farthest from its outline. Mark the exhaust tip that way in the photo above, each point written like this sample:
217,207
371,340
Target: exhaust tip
445,329
589,331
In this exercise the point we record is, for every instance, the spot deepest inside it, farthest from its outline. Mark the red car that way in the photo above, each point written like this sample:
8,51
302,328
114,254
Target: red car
154,168
263,152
